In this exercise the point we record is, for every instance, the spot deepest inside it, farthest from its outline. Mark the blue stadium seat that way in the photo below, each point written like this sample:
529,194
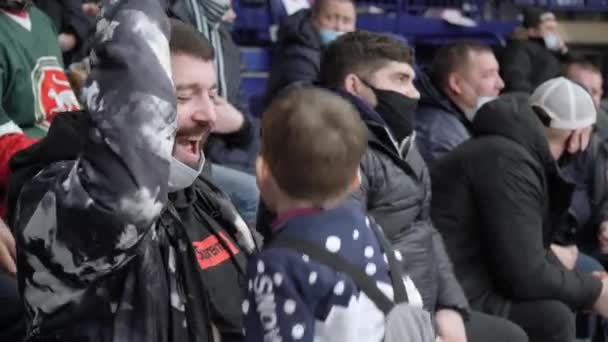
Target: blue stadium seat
567,5
255,59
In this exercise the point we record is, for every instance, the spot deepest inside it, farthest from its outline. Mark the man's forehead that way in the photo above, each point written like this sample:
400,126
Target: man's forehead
194,86
481,60
340,5
190,73
394,67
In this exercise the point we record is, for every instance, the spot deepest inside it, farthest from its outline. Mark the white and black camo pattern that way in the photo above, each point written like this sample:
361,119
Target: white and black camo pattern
92,262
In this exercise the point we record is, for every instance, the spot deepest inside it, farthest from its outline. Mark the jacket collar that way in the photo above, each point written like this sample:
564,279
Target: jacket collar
432,95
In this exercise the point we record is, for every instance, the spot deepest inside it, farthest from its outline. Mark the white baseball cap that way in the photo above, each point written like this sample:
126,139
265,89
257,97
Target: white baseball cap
568,104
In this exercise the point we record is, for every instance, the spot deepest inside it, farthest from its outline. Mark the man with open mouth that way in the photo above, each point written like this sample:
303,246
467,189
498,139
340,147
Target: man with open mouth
117,228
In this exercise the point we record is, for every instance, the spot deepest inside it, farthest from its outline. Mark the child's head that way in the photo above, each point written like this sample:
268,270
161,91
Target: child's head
312,143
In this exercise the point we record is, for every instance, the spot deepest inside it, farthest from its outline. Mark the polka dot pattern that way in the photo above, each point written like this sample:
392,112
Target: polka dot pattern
339,288
297,332
369,252
312,278
333,244
370,269
290,306
278,279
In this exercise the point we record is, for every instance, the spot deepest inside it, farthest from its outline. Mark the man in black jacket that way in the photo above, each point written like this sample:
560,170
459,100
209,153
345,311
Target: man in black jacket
114,226
463,76
498,199
375,73
302,37
525,64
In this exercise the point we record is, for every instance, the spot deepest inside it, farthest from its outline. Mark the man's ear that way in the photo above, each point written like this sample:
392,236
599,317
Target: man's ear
352,84
455,83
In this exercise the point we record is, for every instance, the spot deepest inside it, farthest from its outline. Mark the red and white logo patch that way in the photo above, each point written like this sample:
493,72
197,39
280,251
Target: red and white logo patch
52,91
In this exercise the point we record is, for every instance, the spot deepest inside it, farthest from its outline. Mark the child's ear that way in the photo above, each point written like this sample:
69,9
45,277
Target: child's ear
356,181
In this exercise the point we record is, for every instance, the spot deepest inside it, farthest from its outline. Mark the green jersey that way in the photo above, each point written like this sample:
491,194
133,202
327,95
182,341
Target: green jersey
33,84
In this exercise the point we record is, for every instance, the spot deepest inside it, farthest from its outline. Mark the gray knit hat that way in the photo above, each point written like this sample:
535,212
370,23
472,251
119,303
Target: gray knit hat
567,104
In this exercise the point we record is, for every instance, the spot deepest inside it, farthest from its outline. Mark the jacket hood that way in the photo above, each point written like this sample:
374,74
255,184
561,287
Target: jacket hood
431,95
511,117
297,29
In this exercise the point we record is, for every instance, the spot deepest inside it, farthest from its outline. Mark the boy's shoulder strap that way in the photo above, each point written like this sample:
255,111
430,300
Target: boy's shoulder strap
339,264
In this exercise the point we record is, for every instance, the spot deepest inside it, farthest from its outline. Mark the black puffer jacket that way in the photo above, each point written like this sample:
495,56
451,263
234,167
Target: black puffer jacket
525,64
297,54
496,201
396,192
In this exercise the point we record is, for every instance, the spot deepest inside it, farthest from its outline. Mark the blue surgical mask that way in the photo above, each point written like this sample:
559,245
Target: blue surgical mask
328,36
552,41
182,176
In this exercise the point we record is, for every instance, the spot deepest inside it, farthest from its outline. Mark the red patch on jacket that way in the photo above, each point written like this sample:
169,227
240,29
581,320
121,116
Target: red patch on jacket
210,251
52,90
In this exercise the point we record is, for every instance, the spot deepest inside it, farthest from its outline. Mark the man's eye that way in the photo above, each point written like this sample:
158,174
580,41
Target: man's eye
183,98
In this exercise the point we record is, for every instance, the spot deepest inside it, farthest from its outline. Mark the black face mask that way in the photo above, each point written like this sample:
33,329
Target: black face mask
397,110
14,5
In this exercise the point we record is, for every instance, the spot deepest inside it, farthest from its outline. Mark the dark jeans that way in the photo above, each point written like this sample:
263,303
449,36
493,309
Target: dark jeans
545,321
486,328
586,323
12,323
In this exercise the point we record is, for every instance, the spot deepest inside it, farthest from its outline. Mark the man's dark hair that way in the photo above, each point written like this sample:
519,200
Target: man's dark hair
318,4
361,53
312,142
185,39
453,57
582,61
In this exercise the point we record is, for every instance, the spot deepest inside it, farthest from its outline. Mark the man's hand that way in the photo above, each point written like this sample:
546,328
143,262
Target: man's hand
566,254
229,119
602,237
601,304
67,41
7,249
450,326
579,140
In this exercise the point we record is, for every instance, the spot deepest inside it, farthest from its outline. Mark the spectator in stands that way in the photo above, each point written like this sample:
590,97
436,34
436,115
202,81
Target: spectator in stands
525,64
34,86
301,38
497,200
33,89
233,146
463,76
72,24
319,129
133,244
375,73
586,73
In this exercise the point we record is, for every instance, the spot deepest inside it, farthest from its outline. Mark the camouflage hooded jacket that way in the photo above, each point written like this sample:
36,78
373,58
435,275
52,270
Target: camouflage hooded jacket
105,253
